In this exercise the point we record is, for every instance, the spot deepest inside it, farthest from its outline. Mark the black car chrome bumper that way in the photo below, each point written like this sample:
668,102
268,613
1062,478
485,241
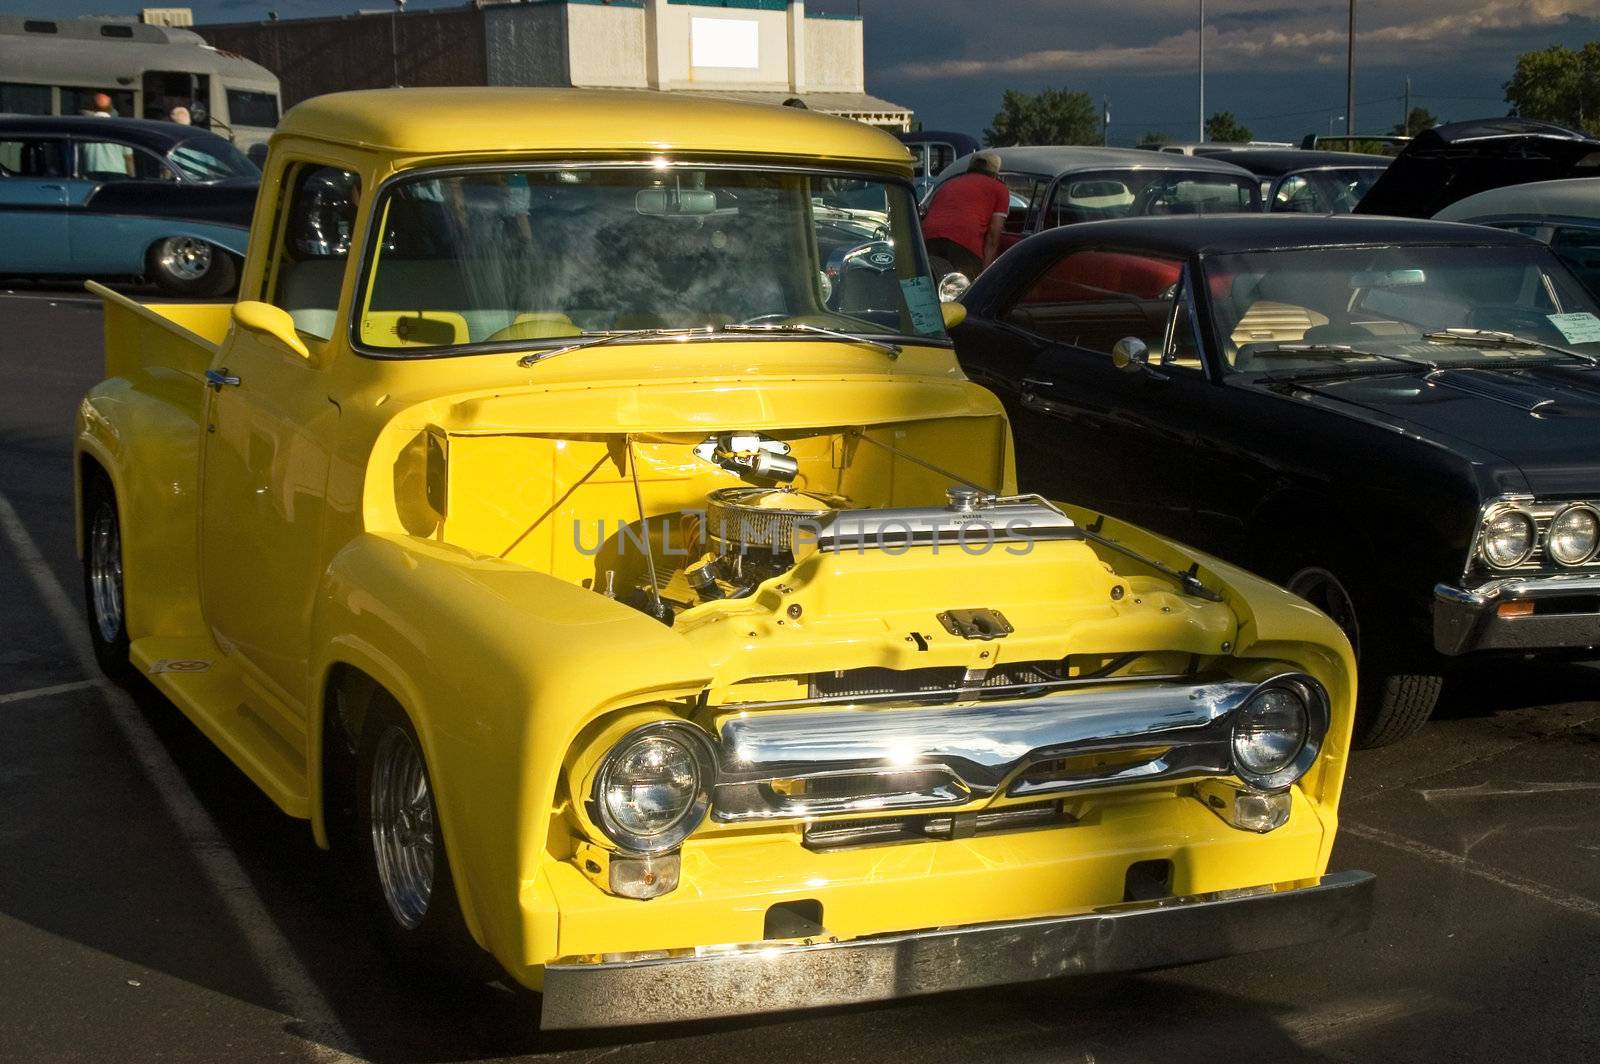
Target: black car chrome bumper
1560,612
776,977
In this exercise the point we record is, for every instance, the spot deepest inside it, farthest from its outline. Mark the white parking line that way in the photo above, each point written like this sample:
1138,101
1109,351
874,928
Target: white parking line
327,1040
1576,903
46,692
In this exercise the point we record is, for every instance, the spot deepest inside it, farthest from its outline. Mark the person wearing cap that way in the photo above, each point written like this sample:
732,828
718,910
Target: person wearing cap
965,216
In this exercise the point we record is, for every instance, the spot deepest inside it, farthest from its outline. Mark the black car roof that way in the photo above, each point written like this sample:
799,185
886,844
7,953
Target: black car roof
1223,233
1273,162
159,137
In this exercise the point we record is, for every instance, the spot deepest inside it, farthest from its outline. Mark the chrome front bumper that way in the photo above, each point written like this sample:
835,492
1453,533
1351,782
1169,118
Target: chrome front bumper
776,977
1566,615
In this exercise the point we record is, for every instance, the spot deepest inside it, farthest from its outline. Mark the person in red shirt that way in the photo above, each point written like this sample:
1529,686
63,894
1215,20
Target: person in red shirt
965,215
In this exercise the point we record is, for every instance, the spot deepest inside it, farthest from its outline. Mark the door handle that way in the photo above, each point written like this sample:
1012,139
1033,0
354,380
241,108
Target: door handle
1033,384
216,378
54,188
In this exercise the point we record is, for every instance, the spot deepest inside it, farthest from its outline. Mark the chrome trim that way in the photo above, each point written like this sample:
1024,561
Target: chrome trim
787,765
954,691
1543,513
669,838
1524,587
762,977
1318,713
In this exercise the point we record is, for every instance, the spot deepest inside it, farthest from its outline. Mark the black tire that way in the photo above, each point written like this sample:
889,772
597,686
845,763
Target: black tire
1393,702
104,600
185,266
413,901
1397,709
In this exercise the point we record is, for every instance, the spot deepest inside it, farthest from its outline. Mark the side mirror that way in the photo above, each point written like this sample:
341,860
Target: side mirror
952,286
1130,353
954,314
264,319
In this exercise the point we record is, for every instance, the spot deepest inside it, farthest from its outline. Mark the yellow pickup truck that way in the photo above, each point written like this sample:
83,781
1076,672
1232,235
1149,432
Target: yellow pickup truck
582,517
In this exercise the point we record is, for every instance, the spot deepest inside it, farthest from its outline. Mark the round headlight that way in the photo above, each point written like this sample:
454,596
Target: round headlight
1508,538
1278,730
653,788
1573,535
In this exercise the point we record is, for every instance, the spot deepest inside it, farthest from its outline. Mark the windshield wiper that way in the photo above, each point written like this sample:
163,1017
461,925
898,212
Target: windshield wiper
1344,351
890,349
1496,338
598,339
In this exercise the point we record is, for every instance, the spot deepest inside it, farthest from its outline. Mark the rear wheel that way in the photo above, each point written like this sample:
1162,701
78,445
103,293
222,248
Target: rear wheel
408,874
1392,704
102,576
185,266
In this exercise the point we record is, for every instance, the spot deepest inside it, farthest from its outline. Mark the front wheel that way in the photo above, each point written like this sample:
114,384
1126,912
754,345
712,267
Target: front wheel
407,870
102,576
185,266
1393,702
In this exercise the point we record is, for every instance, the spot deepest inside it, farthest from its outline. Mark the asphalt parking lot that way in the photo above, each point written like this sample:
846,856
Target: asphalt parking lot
154,905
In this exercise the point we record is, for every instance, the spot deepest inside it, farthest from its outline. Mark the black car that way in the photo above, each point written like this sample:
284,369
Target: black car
1308,182
1396,419
90,196
1451,162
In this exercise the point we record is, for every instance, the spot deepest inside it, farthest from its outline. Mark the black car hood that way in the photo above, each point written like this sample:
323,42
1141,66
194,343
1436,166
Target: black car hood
1544,421
1455,161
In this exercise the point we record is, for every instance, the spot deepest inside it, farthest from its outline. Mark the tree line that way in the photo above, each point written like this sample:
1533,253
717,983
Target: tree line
1556,84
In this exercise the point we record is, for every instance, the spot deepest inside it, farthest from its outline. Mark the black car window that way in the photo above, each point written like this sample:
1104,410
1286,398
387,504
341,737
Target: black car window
1579,247
1027,193
314,245
33,157
1093,298
109,160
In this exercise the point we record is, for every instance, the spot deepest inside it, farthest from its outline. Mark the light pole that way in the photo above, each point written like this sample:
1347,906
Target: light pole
1350,77
1331,120
1202,37
394,39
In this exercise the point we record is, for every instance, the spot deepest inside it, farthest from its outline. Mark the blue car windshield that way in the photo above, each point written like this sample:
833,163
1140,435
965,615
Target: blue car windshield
1367,308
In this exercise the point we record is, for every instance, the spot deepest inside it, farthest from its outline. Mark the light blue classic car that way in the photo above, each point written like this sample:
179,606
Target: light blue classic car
105,197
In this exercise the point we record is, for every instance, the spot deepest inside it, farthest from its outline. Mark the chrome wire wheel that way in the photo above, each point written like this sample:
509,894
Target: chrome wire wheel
105,571
184,258
402,826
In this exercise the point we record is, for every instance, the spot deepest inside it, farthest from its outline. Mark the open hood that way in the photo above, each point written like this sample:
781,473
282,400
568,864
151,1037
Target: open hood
1454,161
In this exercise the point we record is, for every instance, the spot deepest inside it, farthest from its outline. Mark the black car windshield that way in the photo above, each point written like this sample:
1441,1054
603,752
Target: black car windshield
207,158
1355,309
510,256
1087,197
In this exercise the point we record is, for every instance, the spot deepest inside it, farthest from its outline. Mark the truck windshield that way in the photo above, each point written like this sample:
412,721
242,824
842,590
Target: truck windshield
1364,309
519,257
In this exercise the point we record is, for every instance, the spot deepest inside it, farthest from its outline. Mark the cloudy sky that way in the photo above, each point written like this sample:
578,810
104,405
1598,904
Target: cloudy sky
1279,66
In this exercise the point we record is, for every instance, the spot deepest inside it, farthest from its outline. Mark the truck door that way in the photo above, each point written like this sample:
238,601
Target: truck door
269,426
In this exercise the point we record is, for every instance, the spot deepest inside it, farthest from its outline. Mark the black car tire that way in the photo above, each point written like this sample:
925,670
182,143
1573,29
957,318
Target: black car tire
1396,710
1391,705
413,902
185,266
103,595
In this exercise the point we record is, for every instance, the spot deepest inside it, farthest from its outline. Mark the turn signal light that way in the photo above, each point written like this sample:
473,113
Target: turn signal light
1515,609
1247,810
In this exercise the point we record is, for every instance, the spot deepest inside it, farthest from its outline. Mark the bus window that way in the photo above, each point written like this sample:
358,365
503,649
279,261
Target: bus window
81,101
251,108
166,89
24,99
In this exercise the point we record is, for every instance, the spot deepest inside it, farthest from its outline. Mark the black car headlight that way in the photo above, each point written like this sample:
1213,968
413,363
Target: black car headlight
1573,535
653,787
1278,730
1508,537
